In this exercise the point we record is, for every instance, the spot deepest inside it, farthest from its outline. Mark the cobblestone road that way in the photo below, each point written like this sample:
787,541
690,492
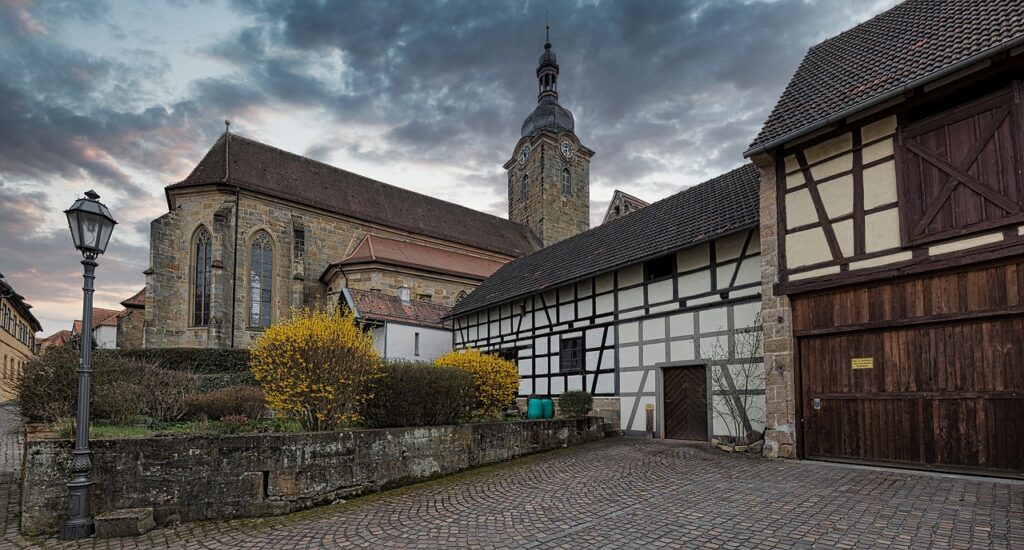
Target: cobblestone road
629,493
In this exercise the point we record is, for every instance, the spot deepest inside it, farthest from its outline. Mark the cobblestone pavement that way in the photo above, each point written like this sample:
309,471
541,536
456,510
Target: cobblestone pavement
631,493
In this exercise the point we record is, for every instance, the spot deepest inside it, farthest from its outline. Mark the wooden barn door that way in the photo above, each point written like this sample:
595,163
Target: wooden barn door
936,381
686,403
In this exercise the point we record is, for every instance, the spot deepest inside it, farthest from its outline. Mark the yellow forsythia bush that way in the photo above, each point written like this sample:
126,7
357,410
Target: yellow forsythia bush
496,379
317,366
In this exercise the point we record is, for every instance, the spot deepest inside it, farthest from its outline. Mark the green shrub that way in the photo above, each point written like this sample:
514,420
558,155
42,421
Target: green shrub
123,387
216,381
575,403
244,401
195,360
48,389
419,394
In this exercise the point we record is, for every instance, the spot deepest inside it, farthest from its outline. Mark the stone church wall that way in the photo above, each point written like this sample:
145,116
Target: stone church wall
305,241
388,280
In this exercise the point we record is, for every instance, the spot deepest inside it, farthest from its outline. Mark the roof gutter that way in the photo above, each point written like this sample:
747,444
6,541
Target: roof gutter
866,104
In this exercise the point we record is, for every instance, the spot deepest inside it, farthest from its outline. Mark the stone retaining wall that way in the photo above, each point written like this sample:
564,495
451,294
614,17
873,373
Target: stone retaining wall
195,478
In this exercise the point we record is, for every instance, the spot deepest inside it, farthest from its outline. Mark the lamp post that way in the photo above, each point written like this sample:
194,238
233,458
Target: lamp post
91,225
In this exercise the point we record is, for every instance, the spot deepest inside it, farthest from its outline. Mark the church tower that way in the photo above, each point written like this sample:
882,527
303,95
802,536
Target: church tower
549,172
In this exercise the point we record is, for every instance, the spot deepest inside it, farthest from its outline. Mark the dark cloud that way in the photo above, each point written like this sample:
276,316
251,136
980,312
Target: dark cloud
667,93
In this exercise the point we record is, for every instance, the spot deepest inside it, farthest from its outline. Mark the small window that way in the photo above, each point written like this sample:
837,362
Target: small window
462,294
525,189
570,355
416,345
659,267
425,297
566,182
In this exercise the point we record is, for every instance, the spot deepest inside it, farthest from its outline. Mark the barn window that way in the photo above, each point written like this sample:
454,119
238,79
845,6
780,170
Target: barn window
660,267
201,280
570,355
525,189
261,264
566,182
960,170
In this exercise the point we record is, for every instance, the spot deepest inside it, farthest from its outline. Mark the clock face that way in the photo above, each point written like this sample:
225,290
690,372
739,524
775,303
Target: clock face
524,155
567,150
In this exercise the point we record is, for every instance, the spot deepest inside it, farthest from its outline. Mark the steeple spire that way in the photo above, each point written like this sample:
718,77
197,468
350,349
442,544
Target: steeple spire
547,71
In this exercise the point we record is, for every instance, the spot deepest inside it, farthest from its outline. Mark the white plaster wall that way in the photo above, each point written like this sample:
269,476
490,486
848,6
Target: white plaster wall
401,342
105,337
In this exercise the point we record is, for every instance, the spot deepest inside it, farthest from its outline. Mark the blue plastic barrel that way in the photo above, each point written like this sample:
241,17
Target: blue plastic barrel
535,408
549,408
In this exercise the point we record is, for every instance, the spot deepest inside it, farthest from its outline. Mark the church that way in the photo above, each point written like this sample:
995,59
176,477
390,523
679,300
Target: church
254,231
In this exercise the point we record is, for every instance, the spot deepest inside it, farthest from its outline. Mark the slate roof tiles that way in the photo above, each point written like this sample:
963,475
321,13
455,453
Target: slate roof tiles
722,205
260,168
912,42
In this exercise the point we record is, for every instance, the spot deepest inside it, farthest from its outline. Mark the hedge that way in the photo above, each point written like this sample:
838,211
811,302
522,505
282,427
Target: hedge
197,360
419,394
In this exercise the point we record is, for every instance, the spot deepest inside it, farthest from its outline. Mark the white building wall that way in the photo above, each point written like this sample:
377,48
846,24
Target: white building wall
400,341
105,337
706,312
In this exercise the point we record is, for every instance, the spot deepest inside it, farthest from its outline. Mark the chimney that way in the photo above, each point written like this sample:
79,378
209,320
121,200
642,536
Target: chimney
405,295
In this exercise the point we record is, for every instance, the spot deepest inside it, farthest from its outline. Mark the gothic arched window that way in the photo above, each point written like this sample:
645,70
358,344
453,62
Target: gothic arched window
525,190
261,274
566,182
201,281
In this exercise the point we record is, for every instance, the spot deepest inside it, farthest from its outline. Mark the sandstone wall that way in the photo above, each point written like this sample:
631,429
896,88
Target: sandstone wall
196,478
305,242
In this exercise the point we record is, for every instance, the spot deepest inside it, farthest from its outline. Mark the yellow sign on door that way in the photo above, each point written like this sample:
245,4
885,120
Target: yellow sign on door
862,363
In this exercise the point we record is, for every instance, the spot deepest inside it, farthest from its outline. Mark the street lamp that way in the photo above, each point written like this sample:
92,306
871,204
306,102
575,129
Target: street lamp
91,226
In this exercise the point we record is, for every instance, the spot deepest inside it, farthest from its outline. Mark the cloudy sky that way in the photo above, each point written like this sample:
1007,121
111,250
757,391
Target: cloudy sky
126,96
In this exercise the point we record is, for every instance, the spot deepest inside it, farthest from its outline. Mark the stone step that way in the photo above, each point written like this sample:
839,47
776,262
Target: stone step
129,522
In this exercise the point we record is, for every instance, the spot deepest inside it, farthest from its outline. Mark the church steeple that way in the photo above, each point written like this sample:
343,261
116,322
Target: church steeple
547,70
549,172
548,115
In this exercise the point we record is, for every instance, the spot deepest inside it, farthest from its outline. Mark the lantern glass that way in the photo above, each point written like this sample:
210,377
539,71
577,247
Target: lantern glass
91,224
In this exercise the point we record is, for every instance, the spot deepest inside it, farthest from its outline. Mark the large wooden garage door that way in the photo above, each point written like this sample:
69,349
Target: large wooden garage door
924,373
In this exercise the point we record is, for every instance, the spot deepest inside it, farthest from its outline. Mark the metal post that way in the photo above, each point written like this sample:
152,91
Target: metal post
80,523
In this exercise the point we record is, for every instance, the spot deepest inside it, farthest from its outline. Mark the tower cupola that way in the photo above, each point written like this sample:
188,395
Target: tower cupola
548,115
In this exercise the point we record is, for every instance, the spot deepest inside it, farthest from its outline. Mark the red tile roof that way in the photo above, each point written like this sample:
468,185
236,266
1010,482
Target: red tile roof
378,306
390,251
101,317
138,300
58,338
260,168
912,43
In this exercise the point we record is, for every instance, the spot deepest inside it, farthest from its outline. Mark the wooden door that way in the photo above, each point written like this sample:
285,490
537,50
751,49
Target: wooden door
686,403
922,373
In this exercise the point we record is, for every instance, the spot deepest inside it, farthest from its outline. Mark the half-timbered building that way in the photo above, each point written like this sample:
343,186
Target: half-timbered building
893,230
657,308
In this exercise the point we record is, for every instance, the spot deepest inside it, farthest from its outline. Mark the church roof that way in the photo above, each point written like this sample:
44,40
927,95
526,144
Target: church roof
723,205
374,248
916,42
377,306
261,168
